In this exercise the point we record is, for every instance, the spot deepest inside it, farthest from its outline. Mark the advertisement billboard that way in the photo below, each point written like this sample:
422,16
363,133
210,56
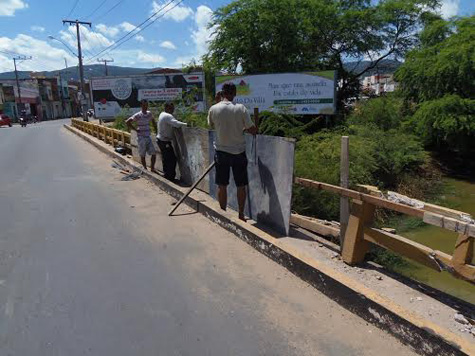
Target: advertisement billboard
111,94
308,93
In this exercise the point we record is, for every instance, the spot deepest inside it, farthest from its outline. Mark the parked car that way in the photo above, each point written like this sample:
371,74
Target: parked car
5,120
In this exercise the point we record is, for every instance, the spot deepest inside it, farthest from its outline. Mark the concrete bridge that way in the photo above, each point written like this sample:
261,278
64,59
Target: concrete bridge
91,265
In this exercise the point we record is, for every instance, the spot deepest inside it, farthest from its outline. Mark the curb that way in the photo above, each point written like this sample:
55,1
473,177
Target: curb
424,336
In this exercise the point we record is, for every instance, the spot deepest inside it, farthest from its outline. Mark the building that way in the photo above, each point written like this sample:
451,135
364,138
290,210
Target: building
27,99
379,83
9,106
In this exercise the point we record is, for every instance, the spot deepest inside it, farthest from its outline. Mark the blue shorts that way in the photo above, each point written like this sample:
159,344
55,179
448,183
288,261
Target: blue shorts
227,161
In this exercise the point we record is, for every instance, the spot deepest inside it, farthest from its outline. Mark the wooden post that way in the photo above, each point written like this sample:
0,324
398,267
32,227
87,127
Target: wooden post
354,245
344,177
462,258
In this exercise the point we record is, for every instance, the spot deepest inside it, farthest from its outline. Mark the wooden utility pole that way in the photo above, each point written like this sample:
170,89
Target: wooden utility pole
344,177
19,58
105,63
84,104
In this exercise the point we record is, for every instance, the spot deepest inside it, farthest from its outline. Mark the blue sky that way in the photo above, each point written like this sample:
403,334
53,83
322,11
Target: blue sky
176,38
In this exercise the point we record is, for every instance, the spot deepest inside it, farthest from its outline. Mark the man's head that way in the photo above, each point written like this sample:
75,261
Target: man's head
219,96
144,104
169,107
229,91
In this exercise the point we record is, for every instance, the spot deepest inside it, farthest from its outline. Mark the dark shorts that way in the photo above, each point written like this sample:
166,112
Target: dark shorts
226,161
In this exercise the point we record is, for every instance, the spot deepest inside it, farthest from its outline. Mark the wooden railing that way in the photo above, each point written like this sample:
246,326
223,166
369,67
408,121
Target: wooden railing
109,135
360,232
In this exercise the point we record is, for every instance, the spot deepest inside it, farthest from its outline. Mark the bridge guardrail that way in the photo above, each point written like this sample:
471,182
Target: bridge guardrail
109,135
360,233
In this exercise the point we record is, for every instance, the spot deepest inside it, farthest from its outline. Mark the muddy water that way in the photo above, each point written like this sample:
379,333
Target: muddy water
459,195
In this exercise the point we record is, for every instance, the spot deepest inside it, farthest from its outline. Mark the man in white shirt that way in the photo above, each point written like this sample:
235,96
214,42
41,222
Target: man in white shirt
166,123
231,121
143,119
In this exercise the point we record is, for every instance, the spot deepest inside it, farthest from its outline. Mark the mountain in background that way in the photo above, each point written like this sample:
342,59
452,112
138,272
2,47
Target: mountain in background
98,70
386,66
72,73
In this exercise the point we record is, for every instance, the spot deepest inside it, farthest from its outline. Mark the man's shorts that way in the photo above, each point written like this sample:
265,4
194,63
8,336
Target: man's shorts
145,146
226,161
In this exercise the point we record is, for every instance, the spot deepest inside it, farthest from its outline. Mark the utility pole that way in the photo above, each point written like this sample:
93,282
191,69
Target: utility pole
84,104
19,58
105,63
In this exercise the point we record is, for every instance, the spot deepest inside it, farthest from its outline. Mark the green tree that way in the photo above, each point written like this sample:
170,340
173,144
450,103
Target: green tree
297,35
439,76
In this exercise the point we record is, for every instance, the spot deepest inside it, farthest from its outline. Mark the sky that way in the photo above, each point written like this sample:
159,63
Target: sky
179,34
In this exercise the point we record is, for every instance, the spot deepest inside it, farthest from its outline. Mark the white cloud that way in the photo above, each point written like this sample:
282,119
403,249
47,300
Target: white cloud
127,26
168,45
90,40
449,8
139,38
37,28
45,57
8,7
150,58
201,35
183,61
107,30
171,11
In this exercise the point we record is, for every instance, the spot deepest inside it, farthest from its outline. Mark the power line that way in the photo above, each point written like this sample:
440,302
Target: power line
96,9
137,29
108,11
74,6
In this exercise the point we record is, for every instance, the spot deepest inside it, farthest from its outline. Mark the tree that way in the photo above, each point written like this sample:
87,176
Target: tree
296,35
439,76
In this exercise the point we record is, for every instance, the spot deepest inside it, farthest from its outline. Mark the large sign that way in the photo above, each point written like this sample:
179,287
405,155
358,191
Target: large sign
112,94
297,93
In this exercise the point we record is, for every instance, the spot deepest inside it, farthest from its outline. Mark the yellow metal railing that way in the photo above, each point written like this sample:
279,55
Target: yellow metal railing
109,135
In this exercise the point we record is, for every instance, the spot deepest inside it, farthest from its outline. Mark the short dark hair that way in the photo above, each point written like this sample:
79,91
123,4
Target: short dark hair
229,88
144,101
169,104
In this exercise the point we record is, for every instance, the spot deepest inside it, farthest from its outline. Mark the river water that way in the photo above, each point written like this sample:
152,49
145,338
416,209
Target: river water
459,195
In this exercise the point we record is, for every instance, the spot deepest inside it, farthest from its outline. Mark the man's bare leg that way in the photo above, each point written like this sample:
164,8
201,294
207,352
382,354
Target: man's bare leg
144,163
152,164
241,197
223,196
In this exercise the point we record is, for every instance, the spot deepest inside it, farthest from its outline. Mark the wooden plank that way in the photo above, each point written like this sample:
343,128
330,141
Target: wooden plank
355,247
380,202
405,247
455,214
314,226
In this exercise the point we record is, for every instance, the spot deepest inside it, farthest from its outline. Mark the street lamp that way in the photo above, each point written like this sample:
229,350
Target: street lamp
65,45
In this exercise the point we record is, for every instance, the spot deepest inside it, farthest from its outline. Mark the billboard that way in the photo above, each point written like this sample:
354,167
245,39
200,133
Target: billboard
308,93
111,94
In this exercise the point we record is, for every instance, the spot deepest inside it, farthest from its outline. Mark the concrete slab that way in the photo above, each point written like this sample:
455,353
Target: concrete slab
192,150
270,170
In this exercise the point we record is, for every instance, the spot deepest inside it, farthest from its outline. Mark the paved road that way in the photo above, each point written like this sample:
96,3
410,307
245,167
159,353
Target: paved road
90,265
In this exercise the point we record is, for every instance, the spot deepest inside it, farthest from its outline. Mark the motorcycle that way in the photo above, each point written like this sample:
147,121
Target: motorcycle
22,122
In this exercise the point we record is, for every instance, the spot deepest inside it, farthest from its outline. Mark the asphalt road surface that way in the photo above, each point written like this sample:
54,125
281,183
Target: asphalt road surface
90,265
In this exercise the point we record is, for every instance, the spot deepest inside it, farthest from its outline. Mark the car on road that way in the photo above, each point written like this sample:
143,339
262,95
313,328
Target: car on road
5,120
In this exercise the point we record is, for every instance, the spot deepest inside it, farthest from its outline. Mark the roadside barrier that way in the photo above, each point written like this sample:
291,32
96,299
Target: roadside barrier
109,135
360,233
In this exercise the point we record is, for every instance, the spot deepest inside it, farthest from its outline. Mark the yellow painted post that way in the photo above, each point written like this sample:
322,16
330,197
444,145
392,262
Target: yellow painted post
462,257
354,246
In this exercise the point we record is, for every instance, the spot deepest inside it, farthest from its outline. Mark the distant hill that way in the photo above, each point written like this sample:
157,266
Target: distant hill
72,73
97,70
385,66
